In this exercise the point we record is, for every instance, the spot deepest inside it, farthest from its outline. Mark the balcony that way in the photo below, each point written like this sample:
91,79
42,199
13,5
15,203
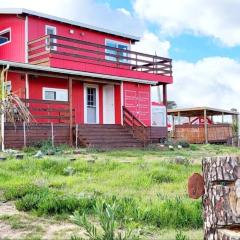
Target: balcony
62,52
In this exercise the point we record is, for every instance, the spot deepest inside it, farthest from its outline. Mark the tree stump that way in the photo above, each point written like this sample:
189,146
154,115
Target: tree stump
221,199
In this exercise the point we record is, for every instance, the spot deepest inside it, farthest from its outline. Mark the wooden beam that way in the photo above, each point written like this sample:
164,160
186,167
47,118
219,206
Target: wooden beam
205,126
165,94
71,111
222,117
179,120
173,126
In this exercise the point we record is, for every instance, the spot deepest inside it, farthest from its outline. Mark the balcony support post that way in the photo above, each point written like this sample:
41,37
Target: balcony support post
70,111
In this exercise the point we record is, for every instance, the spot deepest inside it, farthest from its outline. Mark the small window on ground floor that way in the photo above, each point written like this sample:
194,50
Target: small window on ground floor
55,94
5,36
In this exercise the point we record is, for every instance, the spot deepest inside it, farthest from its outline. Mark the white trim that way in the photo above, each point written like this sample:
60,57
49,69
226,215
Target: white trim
121,110
106,100
10,34
55,33
26,39
27,86
86,85
64,20
151,105
44,89
74,72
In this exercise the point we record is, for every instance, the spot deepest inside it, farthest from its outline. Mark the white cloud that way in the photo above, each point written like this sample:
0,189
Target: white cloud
152,44
212,82
90,12
124,11
219,18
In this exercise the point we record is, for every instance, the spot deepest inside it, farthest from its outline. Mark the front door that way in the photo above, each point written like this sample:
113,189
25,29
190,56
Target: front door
91,105
108,105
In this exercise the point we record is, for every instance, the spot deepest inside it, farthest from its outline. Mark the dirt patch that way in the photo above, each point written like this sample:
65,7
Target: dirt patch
7,232
20,225
8,208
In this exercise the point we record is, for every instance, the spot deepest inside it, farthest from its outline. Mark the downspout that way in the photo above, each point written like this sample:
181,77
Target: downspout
3,72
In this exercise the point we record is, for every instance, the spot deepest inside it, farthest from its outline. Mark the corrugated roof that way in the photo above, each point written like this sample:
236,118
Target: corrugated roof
64,20
192,112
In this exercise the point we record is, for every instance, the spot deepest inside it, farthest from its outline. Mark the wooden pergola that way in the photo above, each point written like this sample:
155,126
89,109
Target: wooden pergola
204,112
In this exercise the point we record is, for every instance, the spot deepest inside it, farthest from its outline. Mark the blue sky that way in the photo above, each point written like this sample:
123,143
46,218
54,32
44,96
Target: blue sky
187,46
202,37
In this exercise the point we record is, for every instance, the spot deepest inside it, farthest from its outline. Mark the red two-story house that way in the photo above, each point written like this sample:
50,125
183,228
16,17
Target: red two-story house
72,73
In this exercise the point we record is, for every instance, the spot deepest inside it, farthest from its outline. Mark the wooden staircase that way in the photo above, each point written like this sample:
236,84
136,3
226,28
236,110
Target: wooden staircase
107,136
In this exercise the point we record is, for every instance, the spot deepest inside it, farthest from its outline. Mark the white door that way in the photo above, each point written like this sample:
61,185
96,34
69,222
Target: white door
108,105
91,110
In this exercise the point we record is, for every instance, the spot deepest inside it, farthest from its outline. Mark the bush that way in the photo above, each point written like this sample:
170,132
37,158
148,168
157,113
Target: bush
176,213
183,143
19,191
161,177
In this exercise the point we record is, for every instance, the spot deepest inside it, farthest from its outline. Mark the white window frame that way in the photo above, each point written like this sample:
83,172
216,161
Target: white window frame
54,40
10,34
54,90
85,101
117,43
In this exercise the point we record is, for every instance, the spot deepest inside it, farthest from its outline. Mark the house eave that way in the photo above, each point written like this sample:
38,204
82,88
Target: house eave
72,73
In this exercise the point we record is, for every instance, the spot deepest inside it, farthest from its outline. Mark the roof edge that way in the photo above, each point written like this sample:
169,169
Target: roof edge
64,20
73,72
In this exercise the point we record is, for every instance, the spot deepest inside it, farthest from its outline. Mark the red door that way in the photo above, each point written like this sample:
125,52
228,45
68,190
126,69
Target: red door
137,100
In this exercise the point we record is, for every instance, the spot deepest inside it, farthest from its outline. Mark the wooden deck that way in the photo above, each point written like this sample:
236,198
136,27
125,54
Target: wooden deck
216,133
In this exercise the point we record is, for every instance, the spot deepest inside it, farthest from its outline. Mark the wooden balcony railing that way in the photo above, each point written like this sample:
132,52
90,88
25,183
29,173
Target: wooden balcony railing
94,53
45,111
138,128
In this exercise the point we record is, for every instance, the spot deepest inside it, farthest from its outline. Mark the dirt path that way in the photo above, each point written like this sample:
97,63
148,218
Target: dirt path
19,225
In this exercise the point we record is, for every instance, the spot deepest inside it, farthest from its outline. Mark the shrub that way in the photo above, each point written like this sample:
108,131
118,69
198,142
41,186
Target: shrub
161,177
183,143
181,236
106,214
174,213
19,191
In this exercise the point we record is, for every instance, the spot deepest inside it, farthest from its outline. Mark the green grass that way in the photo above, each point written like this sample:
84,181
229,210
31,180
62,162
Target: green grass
149,188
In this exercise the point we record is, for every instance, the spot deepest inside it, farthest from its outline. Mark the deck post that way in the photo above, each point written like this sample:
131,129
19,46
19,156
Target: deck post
165,94
222,117
179,120
165,101
52,134
24,135
173,126
205,126
76,137
70,112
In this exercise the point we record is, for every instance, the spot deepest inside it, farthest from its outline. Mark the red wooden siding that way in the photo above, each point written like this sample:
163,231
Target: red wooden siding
118,107
36,85
137,99
37,30
15,50
18,83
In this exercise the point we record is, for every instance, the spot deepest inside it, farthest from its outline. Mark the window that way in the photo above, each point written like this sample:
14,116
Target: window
119,54
55,94
159,116
5,36
50,30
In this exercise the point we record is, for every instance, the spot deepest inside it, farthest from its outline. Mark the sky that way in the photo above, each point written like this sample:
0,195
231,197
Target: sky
201,36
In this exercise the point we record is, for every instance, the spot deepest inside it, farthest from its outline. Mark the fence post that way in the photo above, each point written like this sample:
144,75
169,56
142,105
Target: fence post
24,135
52,134
76,135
